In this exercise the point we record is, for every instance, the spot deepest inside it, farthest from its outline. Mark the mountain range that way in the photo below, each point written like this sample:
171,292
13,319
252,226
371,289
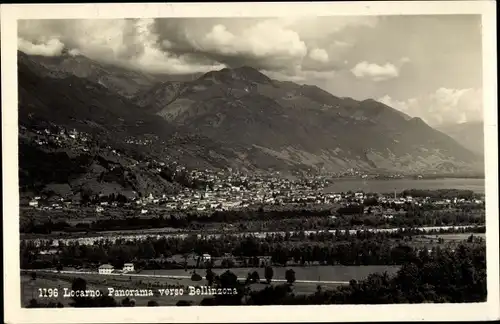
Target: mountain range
237,118
469,134
304,125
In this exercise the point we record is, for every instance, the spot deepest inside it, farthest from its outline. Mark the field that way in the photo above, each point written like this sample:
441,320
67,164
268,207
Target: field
326,274
101,282
458,236
449,240
312,273
30,290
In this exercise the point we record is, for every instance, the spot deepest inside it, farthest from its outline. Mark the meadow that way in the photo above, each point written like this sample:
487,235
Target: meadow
309,273
29,288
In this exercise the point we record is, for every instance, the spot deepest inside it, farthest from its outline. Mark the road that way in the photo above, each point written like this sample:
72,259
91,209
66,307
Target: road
170,276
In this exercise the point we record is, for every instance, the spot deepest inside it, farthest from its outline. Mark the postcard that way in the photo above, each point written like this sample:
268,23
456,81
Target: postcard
329,161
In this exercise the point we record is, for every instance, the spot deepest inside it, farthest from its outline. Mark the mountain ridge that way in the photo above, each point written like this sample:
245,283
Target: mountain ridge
275,125
107,127
231,108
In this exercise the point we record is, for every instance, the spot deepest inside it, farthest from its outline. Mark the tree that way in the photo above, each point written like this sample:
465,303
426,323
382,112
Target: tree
249,279
183,303
33,303
227,263
80,284
269,273
149,251
255,276
290,276
126,302
229,281
103,301
210,276
196,277
152,303
208,302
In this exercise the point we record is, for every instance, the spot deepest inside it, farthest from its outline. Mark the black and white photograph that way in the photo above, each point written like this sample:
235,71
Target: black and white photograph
280,155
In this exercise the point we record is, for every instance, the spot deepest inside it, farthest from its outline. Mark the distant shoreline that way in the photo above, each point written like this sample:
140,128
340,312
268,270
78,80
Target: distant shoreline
410,178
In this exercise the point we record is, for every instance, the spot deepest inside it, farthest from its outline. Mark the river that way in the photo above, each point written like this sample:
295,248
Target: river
389,185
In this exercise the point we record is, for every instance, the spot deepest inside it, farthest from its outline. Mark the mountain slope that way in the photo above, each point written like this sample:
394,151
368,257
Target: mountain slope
469,134
234,117
304,125
115,140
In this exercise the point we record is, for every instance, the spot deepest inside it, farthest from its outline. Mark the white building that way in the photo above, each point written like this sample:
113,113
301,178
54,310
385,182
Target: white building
206,257
33,203
359,195
128,267
106,269
99,209
49,252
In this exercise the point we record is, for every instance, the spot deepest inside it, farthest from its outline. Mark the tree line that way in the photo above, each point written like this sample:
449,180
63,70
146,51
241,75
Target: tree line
360,248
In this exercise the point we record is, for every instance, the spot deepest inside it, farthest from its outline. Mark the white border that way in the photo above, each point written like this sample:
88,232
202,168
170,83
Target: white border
456,312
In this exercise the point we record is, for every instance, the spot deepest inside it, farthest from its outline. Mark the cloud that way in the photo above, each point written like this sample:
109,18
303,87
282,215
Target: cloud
169,45
266,45
302,76
51,48
349,56
443,106
375,72
187,45
319,54
341,44
127,42
261,40
403,106
404,60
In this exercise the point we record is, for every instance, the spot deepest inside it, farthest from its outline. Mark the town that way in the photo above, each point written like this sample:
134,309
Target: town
213,190
229,197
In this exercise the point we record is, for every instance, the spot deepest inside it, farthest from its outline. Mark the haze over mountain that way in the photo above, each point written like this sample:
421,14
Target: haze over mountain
238,118
469,134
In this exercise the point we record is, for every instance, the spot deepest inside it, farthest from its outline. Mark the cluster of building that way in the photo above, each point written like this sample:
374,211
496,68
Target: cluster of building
193,260
228,196
60,137
135,141
109,269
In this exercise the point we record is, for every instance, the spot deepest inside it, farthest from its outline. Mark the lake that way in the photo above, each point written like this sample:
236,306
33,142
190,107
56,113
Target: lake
388,186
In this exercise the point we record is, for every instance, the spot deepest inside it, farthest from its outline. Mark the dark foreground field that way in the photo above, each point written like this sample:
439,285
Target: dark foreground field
307,281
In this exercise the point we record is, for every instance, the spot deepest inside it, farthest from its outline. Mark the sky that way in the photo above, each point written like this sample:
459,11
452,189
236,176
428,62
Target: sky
426,66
